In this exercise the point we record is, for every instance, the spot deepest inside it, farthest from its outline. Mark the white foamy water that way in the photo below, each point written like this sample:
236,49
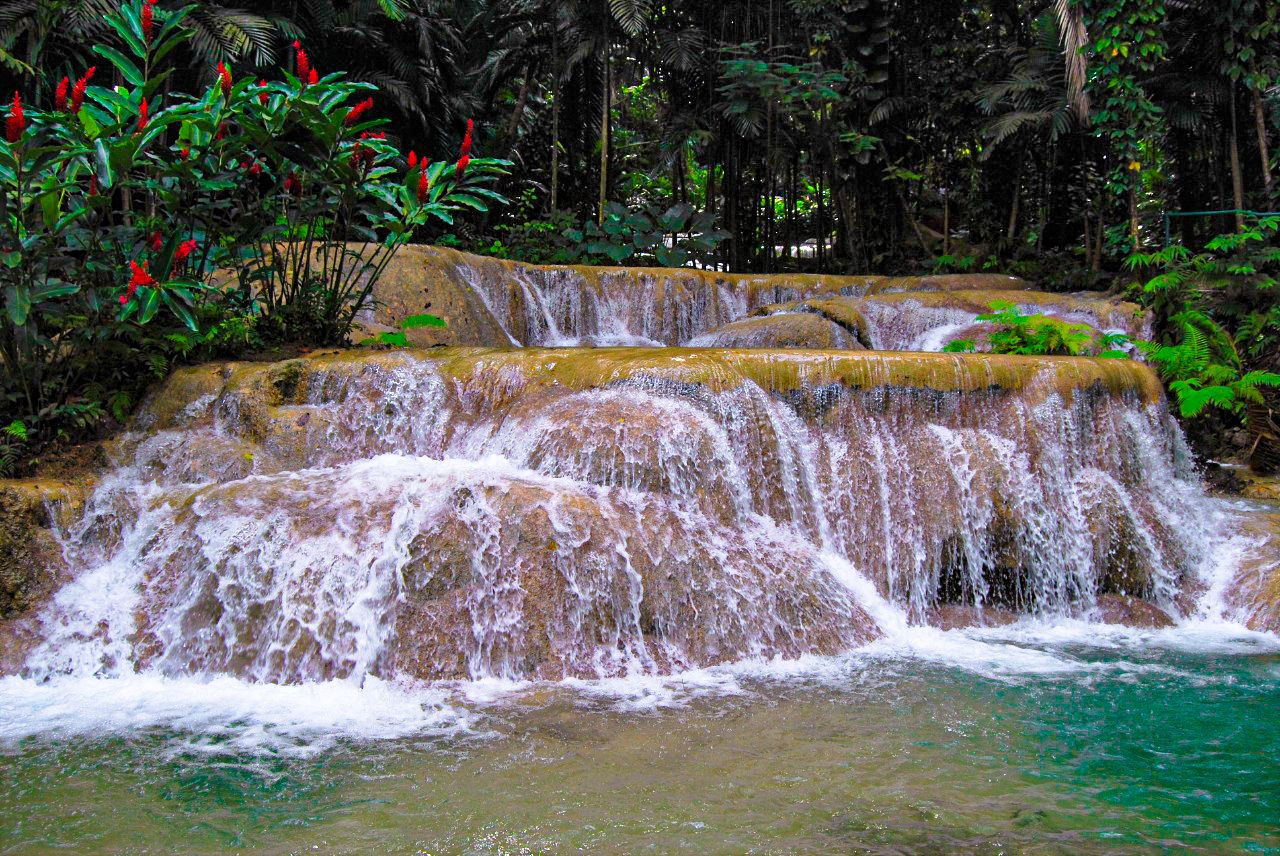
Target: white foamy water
227,714
395,546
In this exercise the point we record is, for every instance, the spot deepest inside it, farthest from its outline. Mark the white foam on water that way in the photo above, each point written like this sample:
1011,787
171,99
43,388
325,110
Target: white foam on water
237,716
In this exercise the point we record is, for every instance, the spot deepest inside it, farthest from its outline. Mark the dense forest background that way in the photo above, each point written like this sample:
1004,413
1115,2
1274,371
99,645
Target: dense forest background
1114,144
1048,139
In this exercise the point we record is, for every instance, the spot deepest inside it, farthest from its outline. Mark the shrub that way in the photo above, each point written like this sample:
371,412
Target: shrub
142,225
1204,369
641,236
1041,335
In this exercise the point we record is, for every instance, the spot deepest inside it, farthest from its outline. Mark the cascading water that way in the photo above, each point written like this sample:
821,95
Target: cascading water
877,586
590,513
570,307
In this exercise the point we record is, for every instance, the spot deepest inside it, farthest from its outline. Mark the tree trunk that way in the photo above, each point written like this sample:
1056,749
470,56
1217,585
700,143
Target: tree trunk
1013,208
555,126
604,136
1260,119
946,225
1134,233
1237,181
513,124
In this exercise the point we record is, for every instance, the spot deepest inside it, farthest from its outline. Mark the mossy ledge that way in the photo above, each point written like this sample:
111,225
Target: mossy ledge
779,371
448,283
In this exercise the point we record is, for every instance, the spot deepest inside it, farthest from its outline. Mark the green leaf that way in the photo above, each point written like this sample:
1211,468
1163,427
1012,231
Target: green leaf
49,290
149,304
18,304
125,65
102,163
178,308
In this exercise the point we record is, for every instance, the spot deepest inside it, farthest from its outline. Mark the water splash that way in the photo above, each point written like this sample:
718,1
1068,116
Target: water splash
304,522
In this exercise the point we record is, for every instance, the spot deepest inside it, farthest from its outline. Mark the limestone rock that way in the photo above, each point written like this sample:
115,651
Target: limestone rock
783,330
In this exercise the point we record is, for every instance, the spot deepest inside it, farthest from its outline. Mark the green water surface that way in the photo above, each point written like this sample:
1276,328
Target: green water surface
1153,750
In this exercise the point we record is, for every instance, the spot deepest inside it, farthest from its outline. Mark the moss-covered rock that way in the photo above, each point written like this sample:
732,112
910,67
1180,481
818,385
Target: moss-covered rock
31,564
783,330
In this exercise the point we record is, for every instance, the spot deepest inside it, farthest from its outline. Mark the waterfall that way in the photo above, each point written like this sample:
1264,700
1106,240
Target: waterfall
540,513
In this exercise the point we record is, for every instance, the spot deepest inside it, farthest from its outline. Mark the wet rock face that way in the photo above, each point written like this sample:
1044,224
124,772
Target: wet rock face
458,513
1255,591
31,565
783,330
1131,611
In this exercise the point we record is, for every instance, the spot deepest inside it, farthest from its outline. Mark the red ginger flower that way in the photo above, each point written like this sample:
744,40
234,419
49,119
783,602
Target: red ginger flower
252,167
224,78
60,96
148,24
413,159
156,241
263,96
313,78
462,166
353,115
222,131
77,92
17,122
466,140
292,185
185,249
142,116
140,277
303,63
185,152
424,183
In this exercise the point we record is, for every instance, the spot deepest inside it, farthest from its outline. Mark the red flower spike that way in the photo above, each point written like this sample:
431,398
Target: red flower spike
222,131
424,183
353,115
185,152
93,185
156,241
462,166
143,117
413,159
17,121
77,92
148,24
292,185
139,278
224,78
185,249
60,96
466,140
313,78
303,63
263,97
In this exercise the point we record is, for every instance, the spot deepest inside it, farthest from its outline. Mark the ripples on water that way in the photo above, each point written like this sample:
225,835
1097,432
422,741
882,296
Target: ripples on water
1071,738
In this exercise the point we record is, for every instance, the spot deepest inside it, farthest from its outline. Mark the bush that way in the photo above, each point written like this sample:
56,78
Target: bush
641,236
141,225
1041,335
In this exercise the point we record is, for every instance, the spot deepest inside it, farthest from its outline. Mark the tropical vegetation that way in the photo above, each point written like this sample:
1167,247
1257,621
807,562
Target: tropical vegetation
1122,144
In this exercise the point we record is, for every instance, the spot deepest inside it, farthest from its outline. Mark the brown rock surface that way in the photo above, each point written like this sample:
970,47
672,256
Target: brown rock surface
783,330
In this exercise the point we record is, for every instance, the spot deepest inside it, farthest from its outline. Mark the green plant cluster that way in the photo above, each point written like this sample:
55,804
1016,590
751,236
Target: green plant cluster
140,226
670,238
1218,318
1041,335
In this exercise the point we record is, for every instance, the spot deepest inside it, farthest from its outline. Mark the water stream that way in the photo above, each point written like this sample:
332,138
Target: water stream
506,601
